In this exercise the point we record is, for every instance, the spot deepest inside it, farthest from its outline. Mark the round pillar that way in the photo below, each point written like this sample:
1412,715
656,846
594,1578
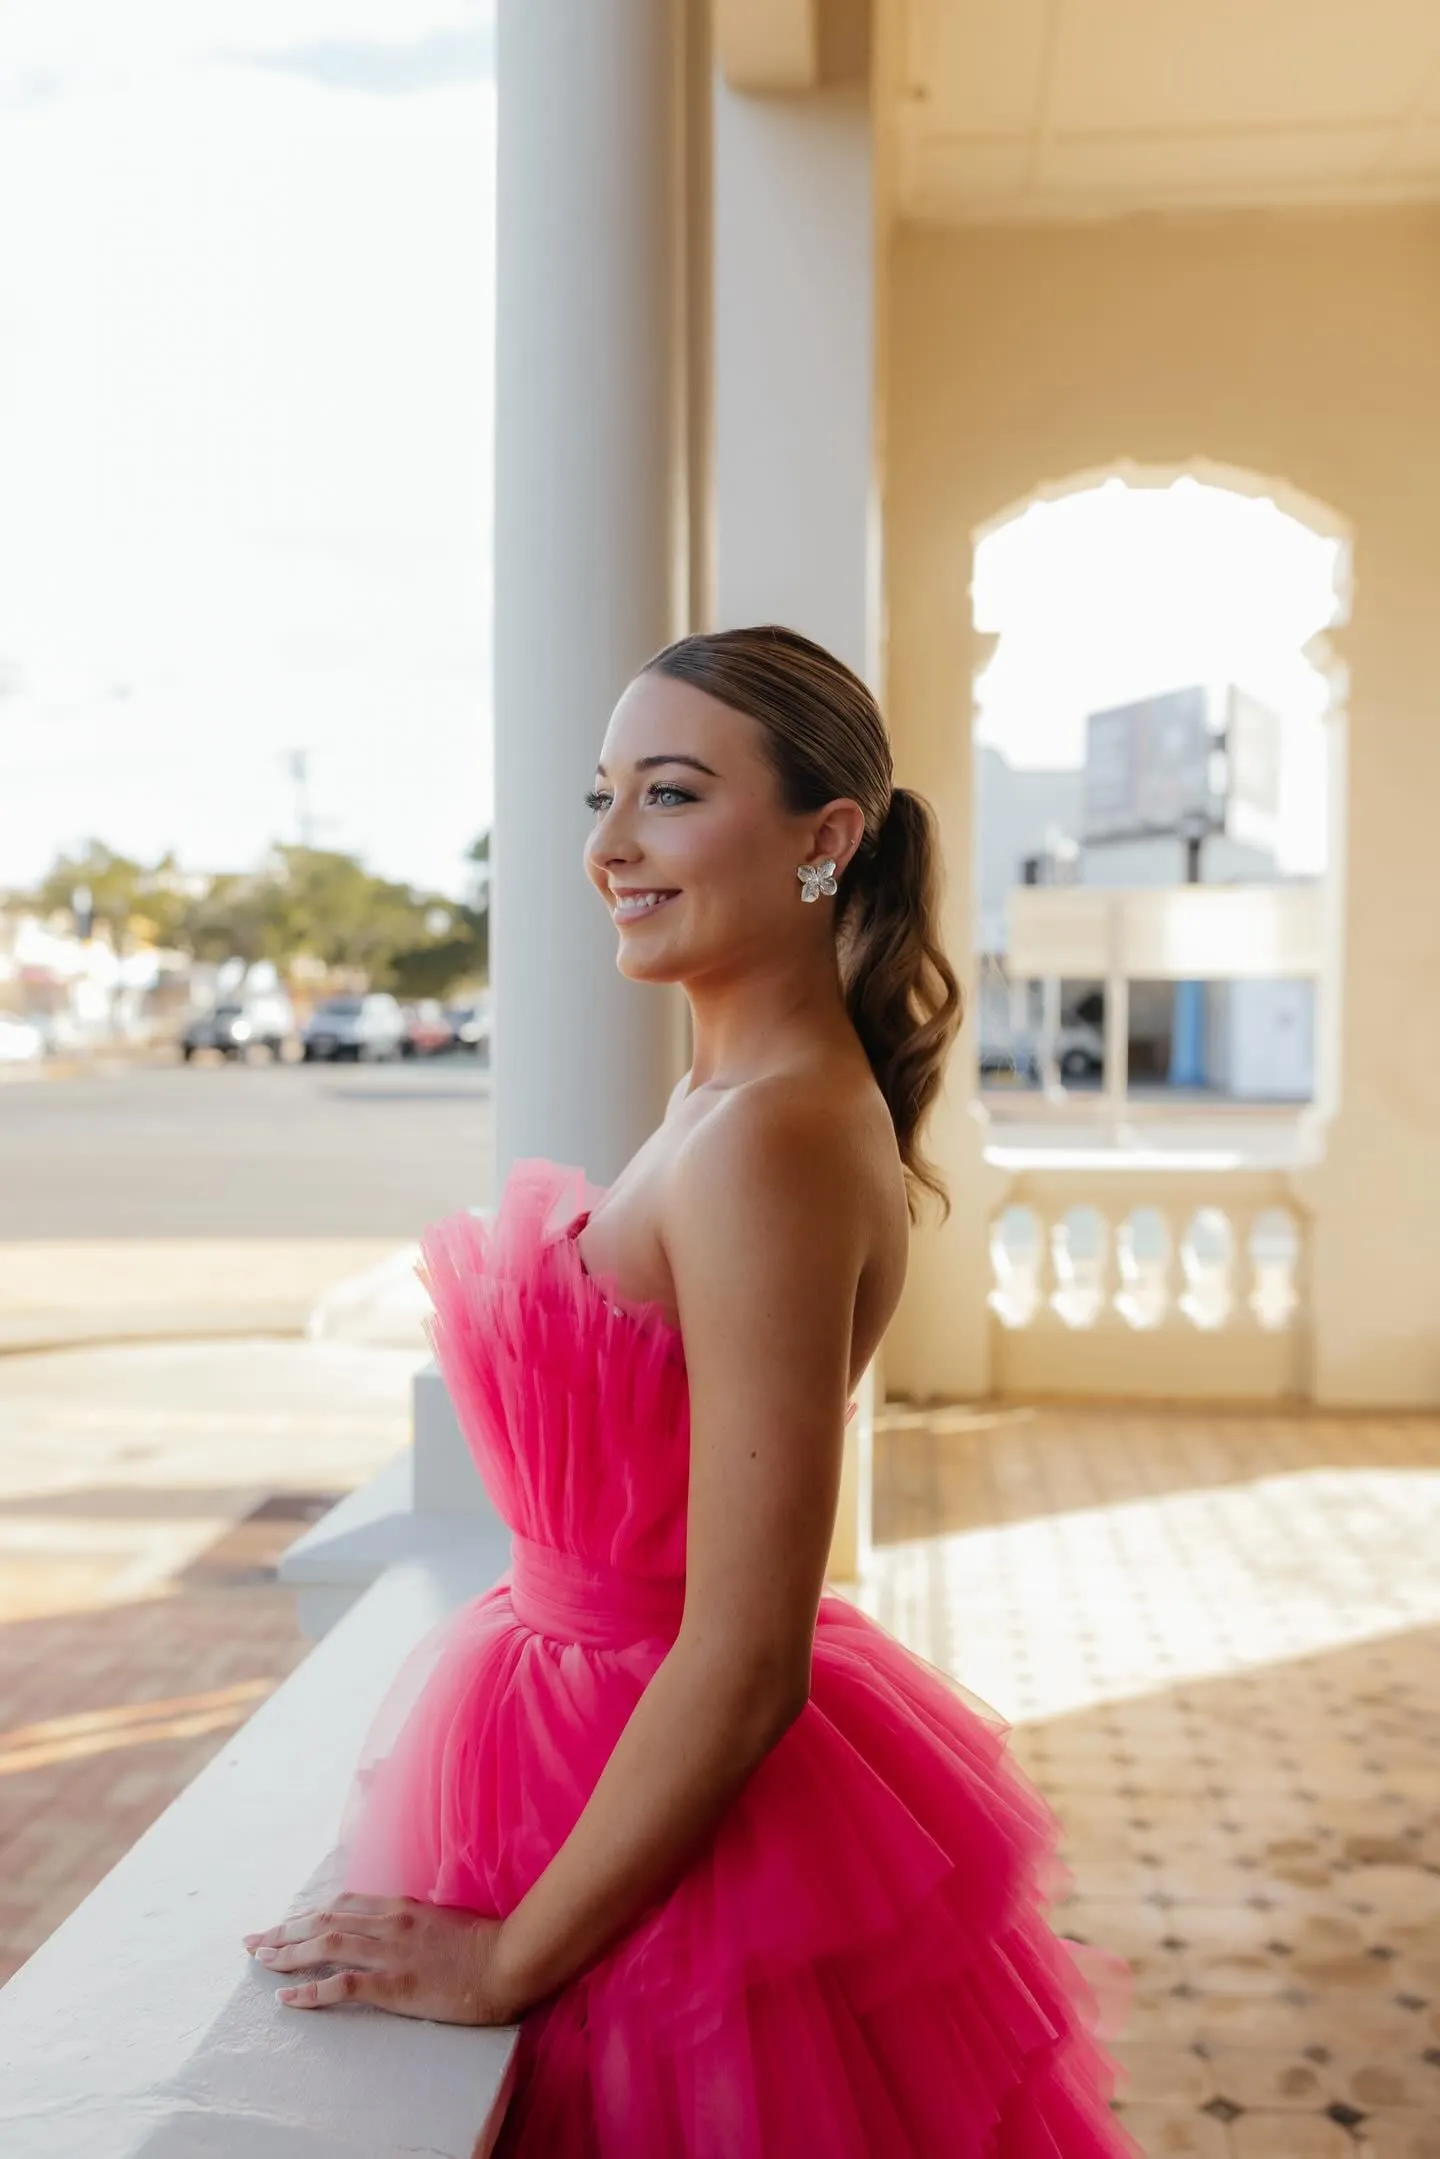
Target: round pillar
586,357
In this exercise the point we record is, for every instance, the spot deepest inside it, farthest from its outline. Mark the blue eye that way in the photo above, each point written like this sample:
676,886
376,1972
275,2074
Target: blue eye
595,801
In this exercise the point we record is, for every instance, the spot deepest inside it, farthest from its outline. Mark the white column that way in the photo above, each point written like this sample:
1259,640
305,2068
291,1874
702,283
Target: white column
586,357
794,366
793,390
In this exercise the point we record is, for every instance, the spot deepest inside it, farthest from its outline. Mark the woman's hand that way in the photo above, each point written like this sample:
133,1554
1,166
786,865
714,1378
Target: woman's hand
416,1960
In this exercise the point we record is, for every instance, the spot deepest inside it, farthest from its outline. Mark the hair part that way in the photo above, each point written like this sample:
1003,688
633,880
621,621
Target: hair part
825,739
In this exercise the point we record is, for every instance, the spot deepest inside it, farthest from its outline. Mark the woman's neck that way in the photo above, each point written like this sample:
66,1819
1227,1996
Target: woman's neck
761,1024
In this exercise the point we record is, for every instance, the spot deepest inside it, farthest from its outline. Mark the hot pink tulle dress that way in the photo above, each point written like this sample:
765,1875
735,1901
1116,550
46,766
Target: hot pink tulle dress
856,1965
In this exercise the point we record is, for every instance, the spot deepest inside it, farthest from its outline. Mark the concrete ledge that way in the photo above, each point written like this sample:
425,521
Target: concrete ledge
373,1529
141,2030
427,1502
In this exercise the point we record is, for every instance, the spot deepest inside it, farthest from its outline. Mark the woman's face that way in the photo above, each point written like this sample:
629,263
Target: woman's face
691,849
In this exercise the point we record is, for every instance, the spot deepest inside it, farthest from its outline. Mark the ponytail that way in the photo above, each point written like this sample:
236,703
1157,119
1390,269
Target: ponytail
900,990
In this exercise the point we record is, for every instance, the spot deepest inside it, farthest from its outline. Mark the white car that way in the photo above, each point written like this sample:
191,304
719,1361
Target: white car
361,1028
1079,1055
240,1024
20,1043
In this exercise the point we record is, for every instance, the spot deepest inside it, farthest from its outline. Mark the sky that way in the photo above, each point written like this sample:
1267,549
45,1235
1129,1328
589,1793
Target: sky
246,278
1119,592
246,298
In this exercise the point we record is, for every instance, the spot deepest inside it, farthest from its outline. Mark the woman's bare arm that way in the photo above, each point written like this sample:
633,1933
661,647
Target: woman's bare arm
765,1236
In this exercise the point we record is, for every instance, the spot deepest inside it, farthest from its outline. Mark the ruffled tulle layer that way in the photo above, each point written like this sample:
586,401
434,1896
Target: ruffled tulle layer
857,1964
861,1947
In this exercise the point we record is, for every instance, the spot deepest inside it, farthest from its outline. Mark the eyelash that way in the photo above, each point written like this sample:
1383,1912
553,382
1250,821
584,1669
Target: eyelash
597,802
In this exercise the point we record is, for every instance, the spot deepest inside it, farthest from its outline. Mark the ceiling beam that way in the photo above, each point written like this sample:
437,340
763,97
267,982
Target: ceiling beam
768,45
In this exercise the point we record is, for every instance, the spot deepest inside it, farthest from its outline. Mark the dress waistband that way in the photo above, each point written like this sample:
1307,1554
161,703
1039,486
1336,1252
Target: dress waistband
578,1600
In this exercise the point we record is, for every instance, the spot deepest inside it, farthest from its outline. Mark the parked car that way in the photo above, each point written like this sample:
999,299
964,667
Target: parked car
427,1029
470,1023
263,1020
361,1028
1080,1050
1079,1055
20,1041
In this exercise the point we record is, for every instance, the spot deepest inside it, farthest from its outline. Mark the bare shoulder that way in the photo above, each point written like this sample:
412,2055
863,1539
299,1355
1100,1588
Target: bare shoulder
789,1165
773,1203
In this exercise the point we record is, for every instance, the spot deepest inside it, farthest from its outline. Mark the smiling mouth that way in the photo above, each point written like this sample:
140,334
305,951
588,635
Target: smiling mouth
645,903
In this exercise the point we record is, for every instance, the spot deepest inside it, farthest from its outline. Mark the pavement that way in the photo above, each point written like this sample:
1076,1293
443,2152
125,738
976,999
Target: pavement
209,1324
146,1493
60,1293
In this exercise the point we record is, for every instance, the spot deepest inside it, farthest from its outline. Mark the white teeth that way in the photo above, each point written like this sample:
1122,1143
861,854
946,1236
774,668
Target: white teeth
641,903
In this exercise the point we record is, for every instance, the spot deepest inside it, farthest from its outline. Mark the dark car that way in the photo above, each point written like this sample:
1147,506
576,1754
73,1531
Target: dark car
361,1028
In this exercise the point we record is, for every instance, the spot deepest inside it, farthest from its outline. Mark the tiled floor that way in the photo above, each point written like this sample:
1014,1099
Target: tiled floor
1218,1639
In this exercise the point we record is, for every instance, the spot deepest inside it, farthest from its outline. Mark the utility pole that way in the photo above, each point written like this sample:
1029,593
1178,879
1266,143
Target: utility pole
299,762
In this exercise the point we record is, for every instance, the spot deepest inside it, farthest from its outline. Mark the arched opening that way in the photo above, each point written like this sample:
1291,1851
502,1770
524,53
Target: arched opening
1159,806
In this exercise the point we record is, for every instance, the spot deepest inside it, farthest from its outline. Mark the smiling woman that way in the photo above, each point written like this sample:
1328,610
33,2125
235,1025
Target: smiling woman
752,1879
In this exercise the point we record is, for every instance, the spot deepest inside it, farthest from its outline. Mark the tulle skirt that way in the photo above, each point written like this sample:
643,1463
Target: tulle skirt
857,1965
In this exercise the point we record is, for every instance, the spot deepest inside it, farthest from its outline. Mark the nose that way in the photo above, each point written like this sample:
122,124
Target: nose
608,842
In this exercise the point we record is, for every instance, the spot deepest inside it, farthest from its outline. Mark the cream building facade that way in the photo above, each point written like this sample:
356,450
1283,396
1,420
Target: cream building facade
1112,239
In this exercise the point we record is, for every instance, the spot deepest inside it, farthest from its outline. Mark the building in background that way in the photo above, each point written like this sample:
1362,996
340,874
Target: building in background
1179,789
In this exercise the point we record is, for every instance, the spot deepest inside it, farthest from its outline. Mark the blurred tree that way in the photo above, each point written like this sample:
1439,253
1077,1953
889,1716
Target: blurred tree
237,917
306,901
135,905
329,906
458,953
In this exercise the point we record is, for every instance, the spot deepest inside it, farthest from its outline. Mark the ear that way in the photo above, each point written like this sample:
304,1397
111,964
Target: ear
839,832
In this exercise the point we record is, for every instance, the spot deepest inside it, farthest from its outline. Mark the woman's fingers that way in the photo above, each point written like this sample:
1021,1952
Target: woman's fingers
306,1924
339,1987
333,1946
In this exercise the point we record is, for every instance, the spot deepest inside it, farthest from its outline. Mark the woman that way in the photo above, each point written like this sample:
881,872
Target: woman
753,1880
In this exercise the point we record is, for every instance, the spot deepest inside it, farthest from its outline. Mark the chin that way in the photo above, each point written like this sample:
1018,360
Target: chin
649,966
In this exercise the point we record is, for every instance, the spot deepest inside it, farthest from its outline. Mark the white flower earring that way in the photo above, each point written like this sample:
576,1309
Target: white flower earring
817,877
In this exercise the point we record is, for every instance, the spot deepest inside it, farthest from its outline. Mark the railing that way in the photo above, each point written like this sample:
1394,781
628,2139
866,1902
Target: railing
1131,1281
141,2030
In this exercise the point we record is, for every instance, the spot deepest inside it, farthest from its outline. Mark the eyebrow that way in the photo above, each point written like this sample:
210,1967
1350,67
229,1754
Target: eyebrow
646,764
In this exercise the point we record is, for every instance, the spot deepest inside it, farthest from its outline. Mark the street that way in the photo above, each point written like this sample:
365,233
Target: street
220,1151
